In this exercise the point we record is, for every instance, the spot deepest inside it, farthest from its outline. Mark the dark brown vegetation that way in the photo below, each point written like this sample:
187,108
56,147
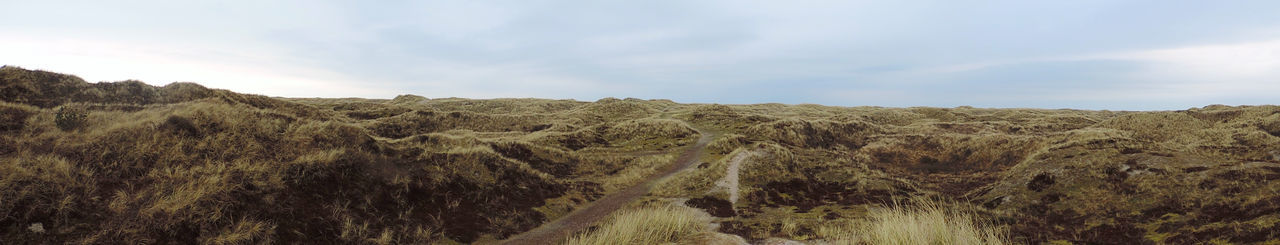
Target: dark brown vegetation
128,162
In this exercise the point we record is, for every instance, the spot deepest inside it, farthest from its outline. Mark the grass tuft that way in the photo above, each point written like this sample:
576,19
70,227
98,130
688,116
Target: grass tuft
925,222
653,225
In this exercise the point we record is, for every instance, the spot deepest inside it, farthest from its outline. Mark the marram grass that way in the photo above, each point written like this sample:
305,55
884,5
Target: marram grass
653,225
926,222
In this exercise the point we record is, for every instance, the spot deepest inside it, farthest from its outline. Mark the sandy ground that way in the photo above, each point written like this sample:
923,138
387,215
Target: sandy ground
730,181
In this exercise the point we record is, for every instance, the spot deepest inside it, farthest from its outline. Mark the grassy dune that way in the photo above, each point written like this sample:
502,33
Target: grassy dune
186,164
1198,175
127,162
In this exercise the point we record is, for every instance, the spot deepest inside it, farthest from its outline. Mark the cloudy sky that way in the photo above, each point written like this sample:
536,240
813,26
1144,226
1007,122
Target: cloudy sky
1119,55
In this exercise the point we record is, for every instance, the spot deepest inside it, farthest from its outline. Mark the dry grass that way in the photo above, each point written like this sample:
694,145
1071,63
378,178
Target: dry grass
926,222
636,171
1065,175
696,181
187,164
929,223
815,133
127,162
652,225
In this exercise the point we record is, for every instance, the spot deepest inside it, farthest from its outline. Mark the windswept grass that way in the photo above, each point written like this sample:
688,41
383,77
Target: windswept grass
637,170
926,222
651,225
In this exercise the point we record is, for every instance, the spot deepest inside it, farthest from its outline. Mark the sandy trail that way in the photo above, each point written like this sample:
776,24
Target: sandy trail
556,231
730,181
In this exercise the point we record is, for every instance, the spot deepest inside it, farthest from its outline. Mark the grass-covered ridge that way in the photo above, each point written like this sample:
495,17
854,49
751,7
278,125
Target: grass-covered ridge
183,163
128,162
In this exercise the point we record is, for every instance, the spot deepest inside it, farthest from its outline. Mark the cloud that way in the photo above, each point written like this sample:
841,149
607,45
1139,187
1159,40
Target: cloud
1245,72
1083,54
1164,78
1226,62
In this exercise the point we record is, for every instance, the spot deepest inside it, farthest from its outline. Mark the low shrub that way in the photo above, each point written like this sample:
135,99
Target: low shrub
70,118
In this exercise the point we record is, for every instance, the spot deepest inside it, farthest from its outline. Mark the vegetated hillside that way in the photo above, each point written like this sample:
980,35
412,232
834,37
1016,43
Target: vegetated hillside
1192,176
128,162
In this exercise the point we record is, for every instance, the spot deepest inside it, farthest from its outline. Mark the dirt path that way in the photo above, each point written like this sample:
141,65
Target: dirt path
730,181
557,230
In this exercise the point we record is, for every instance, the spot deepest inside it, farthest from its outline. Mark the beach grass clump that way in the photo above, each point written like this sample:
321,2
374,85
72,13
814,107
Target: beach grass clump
651,225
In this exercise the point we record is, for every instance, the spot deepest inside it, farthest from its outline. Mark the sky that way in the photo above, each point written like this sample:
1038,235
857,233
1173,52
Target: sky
1114,54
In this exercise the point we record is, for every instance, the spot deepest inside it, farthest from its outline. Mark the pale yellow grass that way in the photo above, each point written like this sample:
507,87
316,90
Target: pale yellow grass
929,222
637,170
652,225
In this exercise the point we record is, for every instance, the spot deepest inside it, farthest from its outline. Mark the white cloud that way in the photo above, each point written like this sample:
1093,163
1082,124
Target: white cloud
1200,70
1220,70
436,78
1212,62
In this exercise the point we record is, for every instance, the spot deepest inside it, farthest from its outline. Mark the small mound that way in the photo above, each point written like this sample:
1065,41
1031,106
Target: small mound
1156,126
408,99
950,153
714,113
815,133
648,129
610,109
547,160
